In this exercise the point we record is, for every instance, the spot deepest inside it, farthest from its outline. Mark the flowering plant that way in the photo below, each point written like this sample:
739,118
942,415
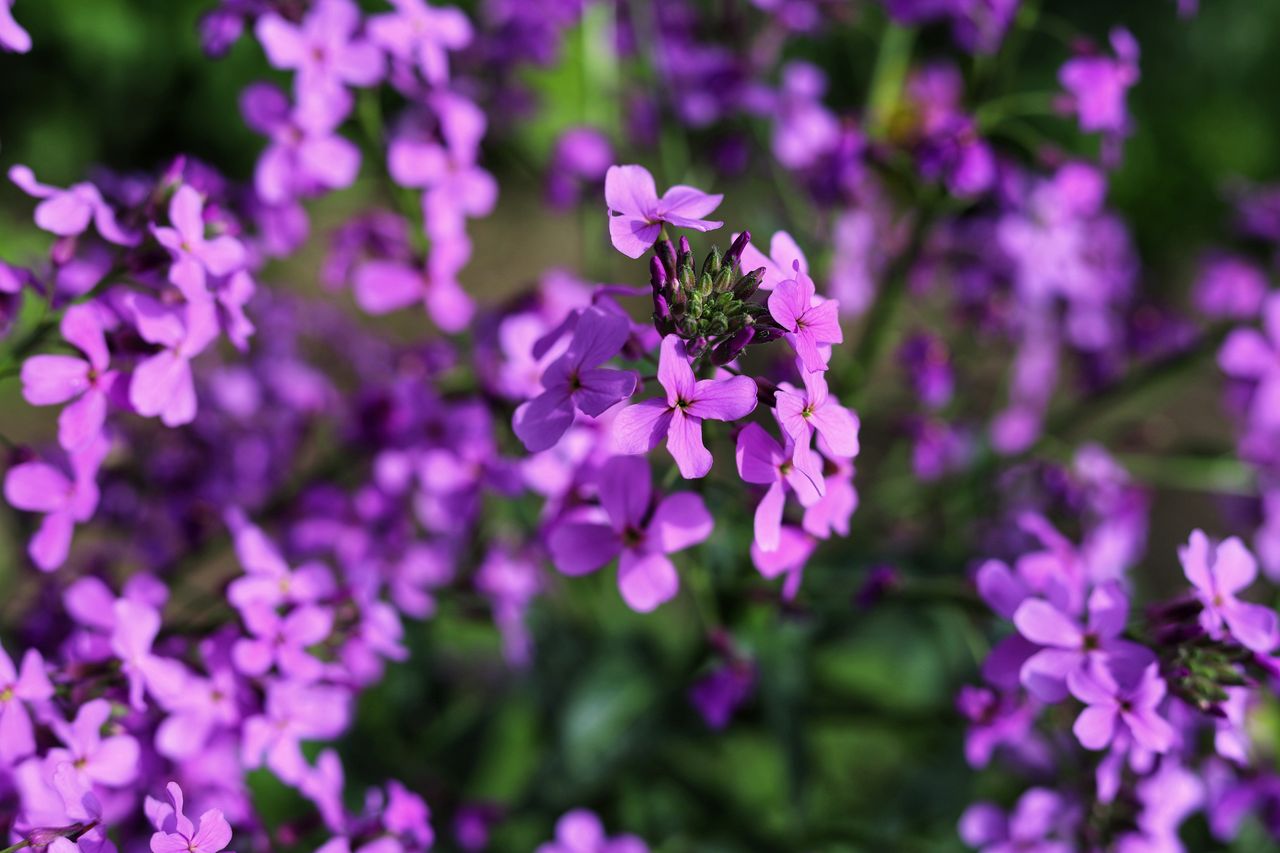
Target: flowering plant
695,541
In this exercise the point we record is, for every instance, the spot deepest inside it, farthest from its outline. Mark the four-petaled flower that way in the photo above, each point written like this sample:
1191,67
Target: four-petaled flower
811,324
1131,701
1218,573
86,382
194,255
576,381
637,214
763,461
678,417
641,539
175,833
815,410
68,212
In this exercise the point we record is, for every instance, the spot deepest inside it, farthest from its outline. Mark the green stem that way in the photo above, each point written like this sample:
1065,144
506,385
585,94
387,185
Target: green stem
887,78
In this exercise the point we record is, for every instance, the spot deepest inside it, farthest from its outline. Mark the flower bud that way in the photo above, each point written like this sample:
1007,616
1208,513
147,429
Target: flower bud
711,266
726,351
748,284
665,252
723,280
734,254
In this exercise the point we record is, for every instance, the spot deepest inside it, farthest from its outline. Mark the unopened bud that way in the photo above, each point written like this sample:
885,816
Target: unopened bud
665,251
711,266
748,284
726,351
734,254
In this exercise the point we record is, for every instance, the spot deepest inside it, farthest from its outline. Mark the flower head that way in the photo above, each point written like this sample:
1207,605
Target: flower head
637,214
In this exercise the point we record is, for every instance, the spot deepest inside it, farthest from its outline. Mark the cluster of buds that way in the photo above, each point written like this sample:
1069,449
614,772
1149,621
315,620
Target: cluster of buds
712,309
1199,668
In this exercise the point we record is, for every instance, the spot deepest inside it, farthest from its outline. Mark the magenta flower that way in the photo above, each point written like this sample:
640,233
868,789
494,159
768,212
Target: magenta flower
419,34
580,831
110,761
305,156
175,833
784,257
763,461
577,382
194,256
455,186
639,428
68,212
636,214
282,641
1255,356
1099,84
383,286
134,632
638,538
65,500
85,382
810,324
30,684
268,579
814,411
1218,573
1109,702
324,52
294,712
162,384
1070,645
795,547
1039,814
12,36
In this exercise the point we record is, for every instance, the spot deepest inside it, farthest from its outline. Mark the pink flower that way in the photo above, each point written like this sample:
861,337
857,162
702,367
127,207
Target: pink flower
636,214
86,382
1109,702
576,381
175,833
762,460
163,384
110,761
417,33
68,212
12,36
784,257
383,286
1218,573
134,632
640,539
810,324
193,254
1099,84
30,684
639,428
65,500
814,411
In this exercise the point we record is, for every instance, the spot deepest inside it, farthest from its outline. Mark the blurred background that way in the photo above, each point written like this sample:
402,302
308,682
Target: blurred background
850,741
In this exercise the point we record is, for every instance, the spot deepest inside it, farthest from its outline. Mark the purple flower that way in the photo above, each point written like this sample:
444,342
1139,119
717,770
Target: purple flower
641,539
268,579
65,500
811,324
581,155
1039,814
1132,701
162,384
85,382
577,382
1099,84
110,761
1218,573
324,52
68,212
282,641
813,411
175,833
455,186
678,417
763,461
294,712
383,286
636,214
193,254
1255,356
132,636
784,258
1070,645
416,33
30,684
305,155
795,546
719,693
580,831
12,37
1230,286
